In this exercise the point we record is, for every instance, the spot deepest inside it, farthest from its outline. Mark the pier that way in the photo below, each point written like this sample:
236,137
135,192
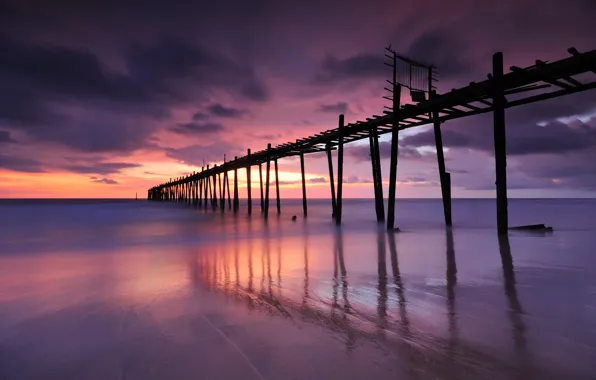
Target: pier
500,91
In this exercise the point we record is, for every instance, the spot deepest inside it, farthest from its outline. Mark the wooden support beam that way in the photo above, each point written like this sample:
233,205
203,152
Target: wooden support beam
331,180
222,192
267,177
375,160
444,176
261,187
304,205
340,171
249,185
236,200
206,192
393,163
500,143
277,189
227,180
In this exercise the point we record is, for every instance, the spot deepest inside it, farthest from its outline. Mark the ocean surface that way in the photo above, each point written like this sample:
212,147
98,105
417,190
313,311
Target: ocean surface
119,289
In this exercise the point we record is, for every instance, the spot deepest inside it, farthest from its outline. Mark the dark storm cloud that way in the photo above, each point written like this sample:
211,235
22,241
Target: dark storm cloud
199,116
441,49
340,107
195,154
160,74
106,181
103,168
222,111
362,152
19,164
196,128
6,138
334,70
552,138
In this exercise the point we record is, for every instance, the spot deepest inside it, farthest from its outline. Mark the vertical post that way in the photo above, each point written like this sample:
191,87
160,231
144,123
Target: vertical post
261,187
340,171
206,184
375,158
304,205
227,180
331,179
394,153
249,184
500,143
444,176
236,201
214,192
277,189
201,181
222,193
267,177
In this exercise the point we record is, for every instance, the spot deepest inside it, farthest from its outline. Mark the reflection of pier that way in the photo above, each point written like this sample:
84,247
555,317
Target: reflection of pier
353,321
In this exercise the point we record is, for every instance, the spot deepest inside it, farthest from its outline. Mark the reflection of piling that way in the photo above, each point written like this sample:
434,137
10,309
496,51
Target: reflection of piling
451,276
397,281
381,283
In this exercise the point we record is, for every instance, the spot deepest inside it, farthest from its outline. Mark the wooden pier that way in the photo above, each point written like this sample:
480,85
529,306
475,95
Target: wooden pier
542,81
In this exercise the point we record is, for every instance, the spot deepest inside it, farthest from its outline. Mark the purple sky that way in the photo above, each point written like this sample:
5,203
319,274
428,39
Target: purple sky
107,98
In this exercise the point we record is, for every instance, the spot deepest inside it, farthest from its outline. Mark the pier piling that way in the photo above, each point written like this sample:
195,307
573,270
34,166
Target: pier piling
331,179
500,141
340,170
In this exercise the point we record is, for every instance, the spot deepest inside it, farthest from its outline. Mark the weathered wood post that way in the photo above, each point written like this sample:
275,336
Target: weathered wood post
214,193
249,184
222,192
304,205
340,171
267,177
500,141
331,178
277,189
227,181
200,200
375,159
206,184
261,187
444,176
236,200
394,154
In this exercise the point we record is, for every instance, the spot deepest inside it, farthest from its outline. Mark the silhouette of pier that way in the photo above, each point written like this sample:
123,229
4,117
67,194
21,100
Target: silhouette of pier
545,80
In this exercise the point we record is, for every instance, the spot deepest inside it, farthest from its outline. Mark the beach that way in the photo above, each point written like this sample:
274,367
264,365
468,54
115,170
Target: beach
102,289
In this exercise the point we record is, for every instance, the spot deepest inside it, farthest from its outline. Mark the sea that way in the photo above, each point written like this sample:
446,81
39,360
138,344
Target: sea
132,289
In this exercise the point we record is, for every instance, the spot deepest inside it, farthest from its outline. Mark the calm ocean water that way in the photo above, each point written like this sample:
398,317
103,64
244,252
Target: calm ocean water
102,289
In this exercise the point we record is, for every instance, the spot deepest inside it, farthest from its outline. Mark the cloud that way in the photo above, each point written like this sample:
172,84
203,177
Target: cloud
106,181
361,152
362,66
356,179
199,116
196,128
103,168
214,152
317,180
18,164
6,138
340,107
221,111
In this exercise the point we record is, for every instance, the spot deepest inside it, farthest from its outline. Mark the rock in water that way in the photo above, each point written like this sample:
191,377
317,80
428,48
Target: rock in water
294,218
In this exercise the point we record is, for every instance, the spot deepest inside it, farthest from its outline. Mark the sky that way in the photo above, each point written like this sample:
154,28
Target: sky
104,98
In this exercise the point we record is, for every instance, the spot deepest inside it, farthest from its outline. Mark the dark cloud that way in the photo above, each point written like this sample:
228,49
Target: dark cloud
200,116
444,51
317,180
340,107
222,111
196,128
334,70
6,138
103,168
356,179
19,164
361,152
195,154
106,181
